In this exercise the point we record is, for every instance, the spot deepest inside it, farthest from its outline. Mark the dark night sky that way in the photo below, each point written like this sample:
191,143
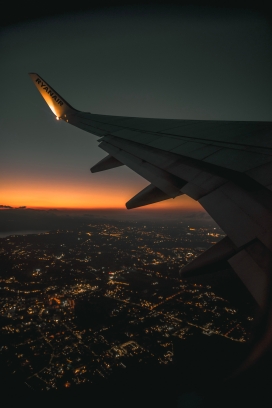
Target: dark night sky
154,61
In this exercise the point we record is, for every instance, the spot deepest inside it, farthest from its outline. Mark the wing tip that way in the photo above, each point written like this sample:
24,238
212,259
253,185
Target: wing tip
56,103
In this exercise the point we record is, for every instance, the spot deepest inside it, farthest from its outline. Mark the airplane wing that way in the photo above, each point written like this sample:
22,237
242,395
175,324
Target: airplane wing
225,165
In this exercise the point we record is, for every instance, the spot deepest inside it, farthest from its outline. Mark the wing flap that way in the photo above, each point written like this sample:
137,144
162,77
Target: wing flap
251,274
221,251
163,180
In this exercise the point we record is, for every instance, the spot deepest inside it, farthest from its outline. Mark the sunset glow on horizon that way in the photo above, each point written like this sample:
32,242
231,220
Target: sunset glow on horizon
67,186
79,200
45,187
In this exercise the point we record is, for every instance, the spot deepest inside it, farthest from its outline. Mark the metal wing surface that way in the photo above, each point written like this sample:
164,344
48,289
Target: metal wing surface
225,165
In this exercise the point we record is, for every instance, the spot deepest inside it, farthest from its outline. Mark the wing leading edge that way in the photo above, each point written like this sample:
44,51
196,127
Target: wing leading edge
225,165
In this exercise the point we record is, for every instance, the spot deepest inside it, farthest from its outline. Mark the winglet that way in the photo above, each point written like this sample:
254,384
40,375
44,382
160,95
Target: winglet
56,103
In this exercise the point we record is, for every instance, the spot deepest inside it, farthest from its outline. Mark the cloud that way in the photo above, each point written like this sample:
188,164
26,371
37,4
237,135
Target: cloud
5,206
